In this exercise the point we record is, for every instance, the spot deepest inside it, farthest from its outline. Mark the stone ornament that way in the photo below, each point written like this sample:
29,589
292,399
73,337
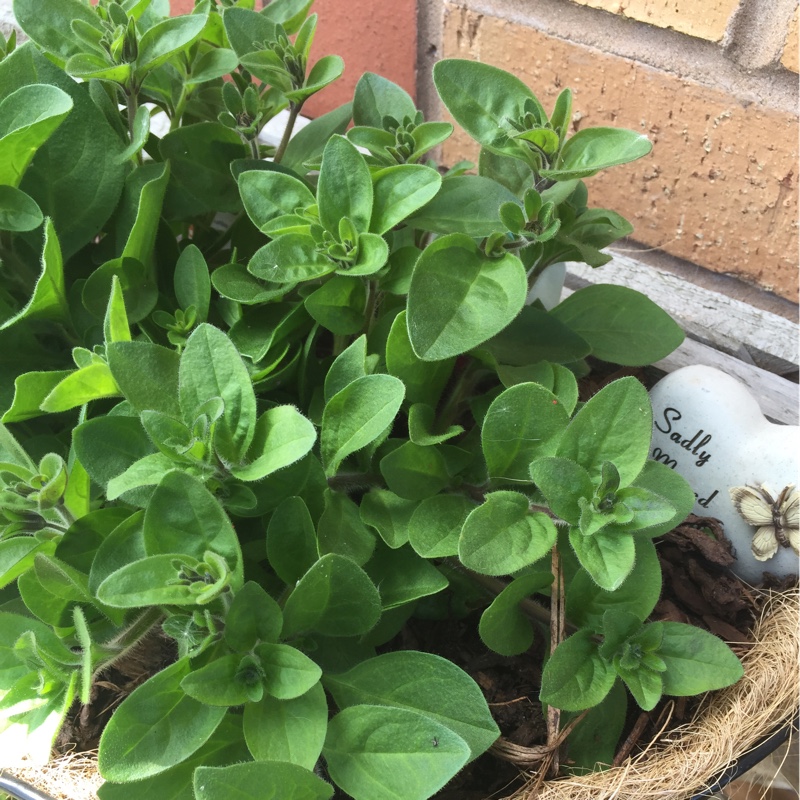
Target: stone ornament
775,516
742,467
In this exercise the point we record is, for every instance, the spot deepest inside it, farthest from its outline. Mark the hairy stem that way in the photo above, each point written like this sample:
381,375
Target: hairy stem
180,108
354,481
494,586
372,303
254,148
556,636
294,110
132,103
126,640
462,389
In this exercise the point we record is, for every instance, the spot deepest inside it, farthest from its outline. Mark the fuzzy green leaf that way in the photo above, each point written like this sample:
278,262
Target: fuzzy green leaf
435,526
267,195
615,425
504,627
399,191
357,415
291,540
607,557
49,299
210,367
29,117
697,661
575,677
151,581
159,43
593,149
465,204
501,536
335,597
18,211
424,380
587,601
345,186
49,26
377,97
156,727
388,514
522,424
622,325
282,436
292,731
482,99
450,312
261,780
388,753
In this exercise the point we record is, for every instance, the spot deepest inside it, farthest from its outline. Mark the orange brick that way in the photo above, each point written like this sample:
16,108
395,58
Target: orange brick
719,189
370,37
791,59
181,7
706,20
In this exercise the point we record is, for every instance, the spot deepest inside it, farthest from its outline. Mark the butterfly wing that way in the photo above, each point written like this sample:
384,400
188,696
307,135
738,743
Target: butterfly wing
765,543
751,505
794,539
790,508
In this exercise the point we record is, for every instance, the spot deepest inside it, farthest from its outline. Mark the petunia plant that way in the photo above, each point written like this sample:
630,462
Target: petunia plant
269,405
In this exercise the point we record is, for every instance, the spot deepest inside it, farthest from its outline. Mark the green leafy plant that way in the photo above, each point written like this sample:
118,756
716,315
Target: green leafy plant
271,403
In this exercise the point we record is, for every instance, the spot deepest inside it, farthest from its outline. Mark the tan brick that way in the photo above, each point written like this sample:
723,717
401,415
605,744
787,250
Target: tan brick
791,54
719,189
705,20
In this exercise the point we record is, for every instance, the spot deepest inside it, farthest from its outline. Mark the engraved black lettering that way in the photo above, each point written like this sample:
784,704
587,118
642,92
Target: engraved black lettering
686,444
704,501
670,415
702,459
660,455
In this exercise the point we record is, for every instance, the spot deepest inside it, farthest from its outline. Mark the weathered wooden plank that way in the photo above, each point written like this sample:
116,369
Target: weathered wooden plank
711,317
777,396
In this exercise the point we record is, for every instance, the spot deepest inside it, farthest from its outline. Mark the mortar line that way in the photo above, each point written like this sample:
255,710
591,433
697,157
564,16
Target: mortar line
663,49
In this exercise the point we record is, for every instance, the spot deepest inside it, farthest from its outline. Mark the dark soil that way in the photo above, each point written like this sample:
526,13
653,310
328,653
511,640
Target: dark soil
82,729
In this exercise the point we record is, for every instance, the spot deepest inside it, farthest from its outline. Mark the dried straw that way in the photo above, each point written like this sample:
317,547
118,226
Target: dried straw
726,725
73,776
678,764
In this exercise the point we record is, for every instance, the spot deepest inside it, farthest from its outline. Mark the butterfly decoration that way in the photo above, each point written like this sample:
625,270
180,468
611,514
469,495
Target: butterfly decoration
776,518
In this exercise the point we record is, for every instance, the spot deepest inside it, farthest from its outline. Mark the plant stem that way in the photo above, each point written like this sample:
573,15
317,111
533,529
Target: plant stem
294,110
494,586
340,342
132,103
354,481
127,639
223,237
372,302
462,388
180,107
556,636
254,148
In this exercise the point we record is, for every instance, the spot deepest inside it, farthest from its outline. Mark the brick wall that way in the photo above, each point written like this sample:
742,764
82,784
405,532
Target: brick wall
713,83
720,188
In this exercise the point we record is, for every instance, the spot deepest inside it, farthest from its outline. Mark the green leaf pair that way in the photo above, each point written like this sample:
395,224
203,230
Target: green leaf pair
591,481
652,659
341,228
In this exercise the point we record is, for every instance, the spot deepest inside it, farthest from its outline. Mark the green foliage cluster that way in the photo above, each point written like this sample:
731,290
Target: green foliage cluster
273,402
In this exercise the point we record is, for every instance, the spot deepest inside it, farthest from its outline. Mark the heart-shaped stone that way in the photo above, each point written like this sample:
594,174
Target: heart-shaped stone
709,428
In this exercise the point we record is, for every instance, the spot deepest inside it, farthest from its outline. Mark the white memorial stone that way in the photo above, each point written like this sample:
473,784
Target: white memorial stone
709,428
